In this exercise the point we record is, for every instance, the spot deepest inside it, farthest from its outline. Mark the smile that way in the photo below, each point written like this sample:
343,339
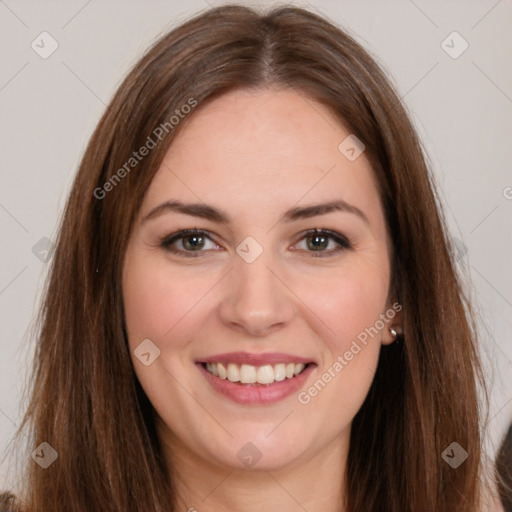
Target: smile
261,384
250,374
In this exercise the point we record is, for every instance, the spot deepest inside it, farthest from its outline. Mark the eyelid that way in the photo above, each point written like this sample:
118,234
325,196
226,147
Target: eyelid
343,241
167,241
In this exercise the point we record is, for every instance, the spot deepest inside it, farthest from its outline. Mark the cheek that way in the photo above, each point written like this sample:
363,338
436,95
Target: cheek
164,308
147,301
157,302
348,302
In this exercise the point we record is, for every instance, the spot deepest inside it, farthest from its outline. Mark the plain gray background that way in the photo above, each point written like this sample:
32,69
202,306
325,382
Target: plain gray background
462,108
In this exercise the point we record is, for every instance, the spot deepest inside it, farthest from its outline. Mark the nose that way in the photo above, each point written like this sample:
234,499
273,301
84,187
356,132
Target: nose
257,299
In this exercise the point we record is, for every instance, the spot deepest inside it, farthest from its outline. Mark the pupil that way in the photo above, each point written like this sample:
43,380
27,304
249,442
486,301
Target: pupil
195,244
319,237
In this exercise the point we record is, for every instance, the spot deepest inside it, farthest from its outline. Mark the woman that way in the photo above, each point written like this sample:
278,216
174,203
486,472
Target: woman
252,302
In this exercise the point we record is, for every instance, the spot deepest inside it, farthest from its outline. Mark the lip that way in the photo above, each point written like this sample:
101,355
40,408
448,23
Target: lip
255,359
252,394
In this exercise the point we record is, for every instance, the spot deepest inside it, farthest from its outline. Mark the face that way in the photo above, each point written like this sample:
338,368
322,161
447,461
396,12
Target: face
251,291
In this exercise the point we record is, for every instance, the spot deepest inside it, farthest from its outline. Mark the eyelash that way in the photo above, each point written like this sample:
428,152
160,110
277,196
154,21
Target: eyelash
343,242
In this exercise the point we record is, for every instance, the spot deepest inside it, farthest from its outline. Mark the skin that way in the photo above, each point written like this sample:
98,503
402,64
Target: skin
254,154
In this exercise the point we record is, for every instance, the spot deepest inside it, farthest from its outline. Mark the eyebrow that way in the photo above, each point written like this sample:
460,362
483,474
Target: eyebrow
211,213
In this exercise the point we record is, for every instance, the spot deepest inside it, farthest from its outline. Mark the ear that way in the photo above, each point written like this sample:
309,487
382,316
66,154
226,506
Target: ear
393,319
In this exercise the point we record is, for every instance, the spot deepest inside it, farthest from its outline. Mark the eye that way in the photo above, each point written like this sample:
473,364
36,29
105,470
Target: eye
191,241
317,240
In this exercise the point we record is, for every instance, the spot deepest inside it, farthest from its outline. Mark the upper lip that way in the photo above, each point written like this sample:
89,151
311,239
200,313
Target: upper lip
254,359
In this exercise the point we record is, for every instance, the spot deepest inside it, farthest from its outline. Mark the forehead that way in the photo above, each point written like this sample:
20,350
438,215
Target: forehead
262,151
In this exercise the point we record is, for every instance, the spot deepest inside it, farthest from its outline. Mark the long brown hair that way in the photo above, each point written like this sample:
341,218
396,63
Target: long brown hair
86,401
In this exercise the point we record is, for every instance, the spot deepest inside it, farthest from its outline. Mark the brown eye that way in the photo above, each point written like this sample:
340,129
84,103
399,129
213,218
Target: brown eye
191,241
319,240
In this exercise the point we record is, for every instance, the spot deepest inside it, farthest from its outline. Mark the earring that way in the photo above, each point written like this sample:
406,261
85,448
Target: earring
394,332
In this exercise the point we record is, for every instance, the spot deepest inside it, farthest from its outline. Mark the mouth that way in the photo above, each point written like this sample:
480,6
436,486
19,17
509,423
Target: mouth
252,375
256,379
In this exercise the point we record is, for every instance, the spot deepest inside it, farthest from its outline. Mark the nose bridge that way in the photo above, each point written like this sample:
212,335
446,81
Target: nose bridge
256,299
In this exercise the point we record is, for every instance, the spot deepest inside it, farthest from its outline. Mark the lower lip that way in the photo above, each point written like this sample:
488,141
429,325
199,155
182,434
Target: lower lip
257,394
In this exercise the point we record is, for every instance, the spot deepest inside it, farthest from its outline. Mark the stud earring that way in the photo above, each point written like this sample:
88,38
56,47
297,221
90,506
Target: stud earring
394,332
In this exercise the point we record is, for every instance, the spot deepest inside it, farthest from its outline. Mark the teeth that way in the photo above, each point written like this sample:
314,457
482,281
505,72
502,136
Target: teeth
298,368
265,374
279,372
233,372
222,370
249,374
